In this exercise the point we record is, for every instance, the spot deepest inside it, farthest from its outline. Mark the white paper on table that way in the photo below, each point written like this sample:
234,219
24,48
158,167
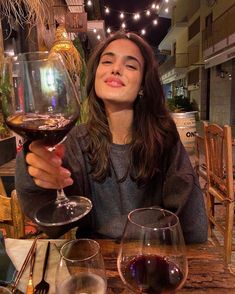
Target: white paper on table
17,250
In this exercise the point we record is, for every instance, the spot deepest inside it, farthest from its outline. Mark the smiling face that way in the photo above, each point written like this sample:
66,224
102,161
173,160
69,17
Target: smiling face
119,73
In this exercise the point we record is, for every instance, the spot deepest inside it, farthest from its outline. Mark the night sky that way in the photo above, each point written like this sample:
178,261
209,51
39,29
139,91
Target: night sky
154,34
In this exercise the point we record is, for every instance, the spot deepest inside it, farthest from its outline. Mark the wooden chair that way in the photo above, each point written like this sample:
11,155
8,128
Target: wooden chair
200,160
11,216
220,182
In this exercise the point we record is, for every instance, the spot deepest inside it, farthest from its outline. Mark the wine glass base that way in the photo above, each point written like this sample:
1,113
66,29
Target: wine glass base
58,214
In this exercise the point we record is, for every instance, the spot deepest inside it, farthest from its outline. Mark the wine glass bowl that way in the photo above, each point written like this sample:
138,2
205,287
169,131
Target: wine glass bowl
81,268
152,256
40,102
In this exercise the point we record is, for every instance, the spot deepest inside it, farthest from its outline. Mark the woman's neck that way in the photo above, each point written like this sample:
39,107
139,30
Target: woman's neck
120,124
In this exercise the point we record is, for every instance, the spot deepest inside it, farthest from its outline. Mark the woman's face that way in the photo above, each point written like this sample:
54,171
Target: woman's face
119,73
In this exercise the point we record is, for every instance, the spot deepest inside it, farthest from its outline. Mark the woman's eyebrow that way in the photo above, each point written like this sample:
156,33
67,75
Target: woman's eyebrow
128,57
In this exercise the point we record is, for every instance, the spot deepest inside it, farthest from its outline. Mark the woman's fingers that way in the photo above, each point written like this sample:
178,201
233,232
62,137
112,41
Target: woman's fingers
36,147
45,167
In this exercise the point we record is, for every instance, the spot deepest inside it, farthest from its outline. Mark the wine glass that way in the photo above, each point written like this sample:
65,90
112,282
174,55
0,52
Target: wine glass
81,268
152,257
39,102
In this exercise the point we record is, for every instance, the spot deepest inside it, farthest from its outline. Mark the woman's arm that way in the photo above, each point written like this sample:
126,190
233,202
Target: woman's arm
182,194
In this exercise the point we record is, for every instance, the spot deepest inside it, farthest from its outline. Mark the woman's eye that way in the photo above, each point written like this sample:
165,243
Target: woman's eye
131,66
106,61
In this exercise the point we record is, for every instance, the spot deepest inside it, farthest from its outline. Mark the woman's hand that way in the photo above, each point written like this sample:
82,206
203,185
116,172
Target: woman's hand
45,166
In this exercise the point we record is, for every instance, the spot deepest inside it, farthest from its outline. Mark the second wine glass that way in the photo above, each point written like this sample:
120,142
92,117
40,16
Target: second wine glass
152,253
39,102
81,269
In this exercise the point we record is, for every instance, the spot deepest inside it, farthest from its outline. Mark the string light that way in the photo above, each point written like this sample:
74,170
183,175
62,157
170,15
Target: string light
162,5
155,22
122,15
123,25
98,37
143,32
89,3
148,13
94,30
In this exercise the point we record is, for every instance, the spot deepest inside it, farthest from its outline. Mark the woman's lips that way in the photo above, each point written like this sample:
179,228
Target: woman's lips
114,82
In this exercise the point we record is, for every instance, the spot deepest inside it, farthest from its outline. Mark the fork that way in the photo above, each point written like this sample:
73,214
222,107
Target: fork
43,287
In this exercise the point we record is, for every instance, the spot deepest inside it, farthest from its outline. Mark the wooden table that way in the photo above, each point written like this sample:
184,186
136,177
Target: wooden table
6,170
207,272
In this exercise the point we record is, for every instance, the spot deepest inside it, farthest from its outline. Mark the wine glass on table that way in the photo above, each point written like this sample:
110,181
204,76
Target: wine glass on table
39,102
152,256
81,268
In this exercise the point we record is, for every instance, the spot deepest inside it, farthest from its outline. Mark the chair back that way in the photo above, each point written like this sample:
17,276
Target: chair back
11,216
200,157
218,144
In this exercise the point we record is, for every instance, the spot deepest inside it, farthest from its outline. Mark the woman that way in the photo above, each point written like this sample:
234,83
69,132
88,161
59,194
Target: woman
128,155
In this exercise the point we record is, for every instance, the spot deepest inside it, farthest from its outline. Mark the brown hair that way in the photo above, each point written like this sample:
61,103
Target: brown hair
153,130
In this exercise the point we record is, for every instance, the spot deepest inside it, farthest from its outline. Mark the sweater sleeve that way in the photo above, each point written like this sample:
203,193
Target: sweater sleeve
33,197
182,194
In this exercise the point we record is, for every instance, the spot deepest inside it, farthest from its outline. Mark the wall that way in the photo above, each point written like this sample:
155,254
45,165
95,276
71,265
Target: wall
221,6
220,98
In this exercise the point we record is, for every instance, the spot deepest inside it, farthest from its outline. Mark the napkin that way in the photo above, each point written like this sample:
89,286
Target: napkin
18,249
7,268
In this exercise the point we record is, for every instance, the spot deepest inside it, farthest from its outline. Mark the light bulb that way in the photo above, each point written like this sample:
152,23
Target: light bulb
107,10
143,32
167,10
98,37
123,25
89,3
95,31
108,30
153,6
155,22
122,15
147,12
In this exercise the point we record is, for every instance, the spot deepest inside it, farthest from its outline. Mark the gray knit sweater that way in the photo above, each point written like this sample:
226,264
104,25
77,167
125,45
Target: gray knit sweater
176,189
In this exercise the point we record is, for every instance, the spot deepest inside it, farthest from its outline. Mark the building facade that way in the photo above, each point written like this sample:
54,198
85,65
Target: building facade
201,57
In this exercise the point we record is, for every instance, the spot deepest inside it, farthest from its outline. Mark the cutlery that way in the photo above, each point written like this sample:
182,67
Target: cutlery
43,287
30,288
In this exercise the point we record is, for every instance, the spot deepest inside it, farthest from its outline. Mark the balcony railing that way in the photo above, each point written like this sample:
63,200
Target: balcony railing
180,60
221,29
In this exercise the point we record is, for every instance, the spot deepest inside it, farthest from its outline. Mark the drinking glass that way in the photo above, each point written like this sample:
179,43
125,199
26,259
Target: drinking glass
81,268
152,256
39,102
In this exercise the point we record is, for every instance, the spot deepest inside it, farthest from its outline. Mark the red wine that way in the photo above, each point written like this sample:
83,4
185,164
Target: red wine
41,127
153,274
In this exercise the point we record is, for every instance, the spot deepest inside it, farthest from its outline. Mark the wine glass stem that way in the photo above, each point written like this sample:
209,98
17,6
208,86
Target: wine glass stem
61,196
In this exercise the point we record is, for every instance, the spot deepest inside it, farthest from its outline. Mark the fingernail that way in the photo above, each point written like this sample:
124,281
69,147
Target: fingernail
68,182
56,161
65,172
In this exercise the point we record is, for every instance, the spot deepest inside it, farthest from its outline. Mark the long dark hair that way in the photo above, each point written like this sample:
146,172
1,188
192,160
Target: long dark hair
153,130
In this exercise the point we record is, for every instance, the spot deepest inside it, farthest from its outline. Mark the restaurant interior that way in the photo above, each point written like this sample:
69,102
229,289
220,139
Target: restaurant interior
196,60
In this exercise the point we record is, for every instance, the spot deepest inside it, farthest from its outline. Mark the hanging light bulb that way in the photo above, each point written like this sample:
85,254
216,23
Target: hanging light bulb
94,30
108,30
166,1
122,15
143,32
148,13
157,7
153,6
155,22
136,16
98,37
167,10
89,3
123,25
107,10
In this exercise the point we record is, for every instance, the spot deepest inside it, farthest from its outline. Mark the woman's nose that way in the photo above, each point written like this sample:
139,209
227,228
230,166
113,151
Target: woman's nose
117,68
